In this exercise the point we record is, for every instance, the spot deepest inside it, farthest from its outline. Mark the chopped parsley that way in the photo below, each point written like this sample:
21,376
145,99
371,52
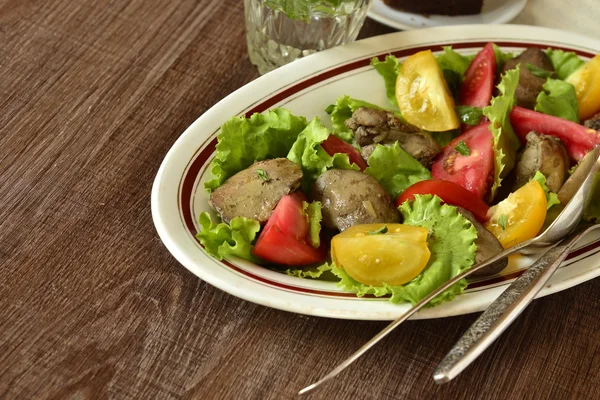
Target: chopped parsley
262,174
539,72
379,231
502,221
463,149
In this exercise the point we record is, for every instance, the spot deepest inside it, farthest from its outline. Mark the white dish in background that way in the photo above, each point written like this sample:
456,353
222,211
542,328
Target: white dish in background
493,12
306,87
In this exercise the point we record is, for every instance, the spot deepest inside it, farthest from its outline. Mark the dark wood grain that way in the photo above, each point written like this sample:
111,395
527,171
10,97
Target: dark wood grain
92,305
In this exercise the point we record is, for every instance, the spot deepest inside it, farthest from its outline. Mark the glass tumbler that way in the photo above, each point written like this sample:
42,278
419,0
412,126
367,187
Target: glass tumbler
281,31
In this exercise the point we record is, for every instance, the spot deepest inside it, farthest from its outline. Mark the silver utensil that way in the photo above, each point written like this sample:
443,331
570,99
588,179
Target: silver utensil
564,224
505,309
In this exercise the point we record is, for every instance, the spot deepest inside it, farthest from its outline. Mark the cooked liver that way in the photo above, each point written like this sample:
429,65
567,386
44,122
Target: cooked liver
487,246
246,194
372,126
351,197
593,123
529,85
546,154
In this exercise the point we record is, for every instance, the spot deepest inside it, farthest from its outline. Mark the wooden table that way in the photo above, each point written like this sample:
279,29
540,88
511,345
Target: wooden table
93,95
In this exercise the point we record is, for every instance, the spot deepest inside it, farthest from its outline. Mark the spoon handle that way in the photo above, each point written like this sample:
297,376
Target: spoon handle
504,310
356,355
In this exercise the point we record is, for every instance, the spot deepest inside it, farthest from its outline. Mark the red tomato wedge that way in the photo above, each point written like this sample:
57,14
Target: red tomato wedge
450,193
334,144
473,171
478,85
577,138
284,240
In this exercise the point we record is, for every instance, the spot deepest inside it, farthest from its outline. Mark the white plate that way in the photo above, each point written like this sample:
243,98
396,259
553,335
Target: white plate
306,87
493,12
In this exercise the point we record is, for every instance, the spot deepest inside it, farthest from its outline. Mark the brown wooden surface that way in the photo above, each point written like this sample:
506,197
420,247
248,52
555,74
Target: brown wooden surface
92,95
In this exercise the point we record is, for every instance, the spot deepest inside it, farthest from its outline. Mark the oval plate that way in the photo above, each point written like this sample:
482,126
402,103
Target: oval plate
306,87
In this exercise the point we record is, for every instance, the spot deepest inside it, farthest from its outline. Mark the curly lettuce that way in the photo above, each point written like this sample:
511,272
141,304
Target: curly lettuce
222,240
395,169
242,141
451,243
389,70
558,99
341,111
313,159
309,272
506,142
501,57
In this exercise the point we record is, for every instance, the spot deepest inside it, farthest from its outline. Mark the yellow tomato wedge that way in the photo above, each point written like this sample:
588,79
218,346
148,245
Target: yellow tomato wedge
394,257
423,94
587,88
520,216
407,232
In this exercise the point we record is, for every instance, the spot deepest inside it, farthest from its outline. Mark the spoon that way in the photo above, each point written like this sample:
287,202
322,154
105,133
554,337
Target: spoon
564,224
506,309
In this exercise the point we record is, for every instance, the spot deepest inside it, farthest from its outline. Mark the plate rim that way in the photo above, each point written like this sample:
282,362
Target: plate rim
275,76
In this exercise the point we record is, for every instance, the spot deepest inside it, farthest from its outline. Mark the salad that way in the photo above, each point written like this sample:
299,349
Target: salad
471,155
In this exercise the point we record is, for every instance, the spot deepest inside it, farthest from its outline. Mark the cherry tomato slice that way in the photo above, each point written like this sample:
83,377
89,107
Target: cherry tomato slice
284,240
473,171
587,87
334,144
450,193
478,85
577,138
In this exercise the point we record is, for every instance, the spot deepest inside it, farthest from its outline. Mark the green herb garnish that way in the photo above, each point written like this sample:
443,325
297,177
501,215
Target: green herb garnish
469,115
262,174
539,72
463,149
379,231
502,221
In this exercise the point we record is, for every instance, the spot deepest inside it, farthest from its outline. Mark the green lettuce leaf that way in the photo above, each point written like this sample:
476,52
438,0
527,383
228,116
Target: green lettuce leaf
389,70
313,159
551,198
450,60
443,138
243,141
221,240
469,115
501,57
313,213
506,142
452,246
564,62
341,111
558,98
395,169
309,272
454,65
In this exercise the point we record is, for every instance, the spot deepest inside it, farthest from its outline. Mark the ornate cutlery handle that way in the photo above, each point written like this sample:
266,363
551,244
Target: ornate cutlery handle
504,310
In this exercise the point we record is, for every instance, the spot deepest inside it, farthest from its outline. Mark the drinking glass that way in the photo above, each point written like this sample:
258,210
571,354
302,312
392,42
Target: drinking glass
281,31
